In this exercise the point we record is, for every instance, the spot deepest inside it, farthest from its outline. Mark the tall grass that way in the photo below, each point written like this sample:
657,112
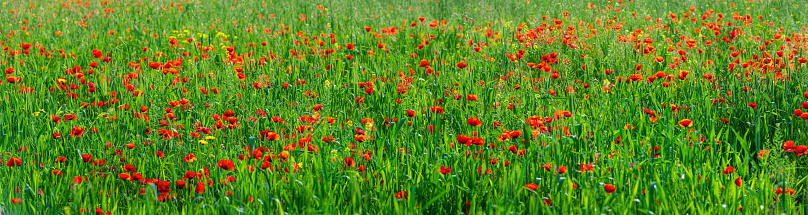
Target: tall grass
594,122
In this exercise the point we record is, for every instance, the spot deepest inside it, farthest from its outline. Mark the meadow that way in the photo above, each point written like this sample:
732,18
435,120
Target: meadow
403,107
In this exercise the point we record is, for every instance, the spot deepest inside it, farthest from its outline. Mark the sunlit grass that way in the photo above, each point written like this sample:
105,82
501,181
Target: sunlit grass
384,107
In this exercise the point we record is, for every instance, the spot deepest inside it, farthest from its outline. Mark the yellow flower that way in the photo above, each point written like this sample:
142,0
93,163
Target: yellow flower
203,142
210,138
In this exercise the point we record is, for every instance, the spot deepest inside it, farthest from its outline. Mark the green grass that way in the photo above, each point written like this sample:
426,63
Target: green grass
244,74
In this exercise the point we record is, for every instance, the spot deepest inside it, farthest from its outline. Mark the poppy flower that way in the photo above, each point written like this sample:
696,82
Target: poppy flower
163,186
532,186
125,176
445,170
70,117
547,166
129,168
350,162
562,169
474,121
225,164
56,119
284,155
547,202
790,191
738,181
512,148
436,109
410,113
728,170
181,184
76,131
16,201
190,158
401,195
86,158
424,63
200,187
461,65
77,180
189,175
14,161
609,188
686,123
12,79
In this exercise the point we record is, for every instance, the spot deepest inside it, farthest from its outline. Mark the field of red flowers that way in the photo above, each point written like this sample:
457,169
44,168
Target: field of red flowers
388,107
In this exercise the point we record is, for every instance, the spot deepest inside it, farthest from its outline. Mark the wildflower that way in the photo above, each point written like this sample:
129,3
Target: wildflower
609,188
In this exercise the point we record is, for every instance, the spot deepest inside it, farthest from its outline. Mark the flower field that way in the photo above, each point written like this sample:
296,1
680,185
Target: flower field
414,107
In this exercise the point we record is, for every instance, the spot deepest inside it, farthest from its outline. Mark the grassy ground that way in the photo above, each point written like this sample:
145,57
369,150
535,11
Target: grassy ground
388,107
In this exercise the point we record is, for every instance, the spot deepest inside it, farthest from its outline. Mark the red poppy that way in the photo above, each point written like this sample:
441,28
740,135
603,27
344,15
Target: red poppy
189,175
401,195
70,117
190,158
474,121
532,186
547,202
729,170
87,158
686,123
225,164
55,119
367,28
181,184
790,191
445,170
16,201
738,181
410,113
436,109
125,176
547,167
76,131
461,65
424,63
562,169
350,162
14,161
512,148
609,188
129,168
77,180
200,187
163,186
